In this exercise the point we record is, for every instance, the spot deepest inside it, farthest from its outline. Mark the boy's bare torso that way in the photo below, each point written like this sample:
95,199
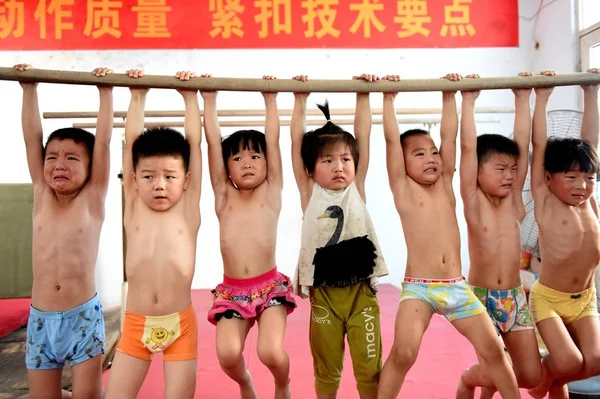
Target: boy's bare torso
569,244
494,242
430,229
65,248
161,254
248,222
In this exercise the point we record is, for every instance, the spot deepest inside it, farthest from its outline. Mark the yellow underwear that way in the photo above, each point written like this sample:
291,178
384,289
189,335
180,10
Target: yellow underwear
546,303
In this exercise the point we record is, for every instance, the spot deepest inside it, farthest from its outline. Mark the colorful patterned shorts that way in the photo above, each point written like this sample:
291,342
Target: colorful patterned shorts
508,309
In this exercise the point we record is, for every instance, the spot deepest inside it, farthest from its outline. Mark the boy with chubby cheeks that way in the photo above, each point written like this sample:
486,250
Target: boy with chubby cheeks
161,178
421,181
563,300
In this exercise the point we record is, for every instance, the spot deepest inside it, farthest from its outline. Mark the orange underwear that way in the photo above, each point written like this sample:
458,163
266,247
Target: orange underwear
176,335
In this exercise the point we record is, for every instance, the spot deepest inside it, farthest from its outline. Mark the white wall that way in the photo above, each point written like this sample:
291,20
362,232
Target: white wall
557,51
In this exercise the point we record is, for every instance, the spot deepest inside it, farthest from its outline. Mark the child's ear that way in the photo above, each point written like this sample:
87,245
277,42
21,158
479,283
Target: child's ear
547,178
187,180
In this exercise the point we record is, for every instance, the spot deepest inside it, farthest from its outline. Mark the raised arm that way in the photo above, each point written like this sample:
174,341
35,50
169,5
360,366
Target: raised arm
393,149
522,137
100,173
297,131
32,129
449,127
134,126
216,164
362,133
274,168
468,146
590,129
193,133
539,140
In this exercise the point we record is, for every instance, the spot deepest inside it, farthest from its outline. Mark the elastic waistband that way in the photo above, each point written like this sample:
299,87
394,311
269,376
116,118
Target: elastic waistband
66,314
542,289
163,317
476,287
433,280
247,282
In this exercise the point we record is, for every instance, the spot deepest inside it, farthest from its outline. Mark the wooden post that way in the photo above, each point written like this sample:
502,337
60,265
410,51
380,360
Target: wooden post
290,85
282,112
260,123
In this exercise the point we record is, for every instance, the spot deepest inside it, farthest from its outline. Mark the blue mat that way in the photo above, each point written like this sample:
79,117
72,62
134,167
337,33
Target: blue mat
588,389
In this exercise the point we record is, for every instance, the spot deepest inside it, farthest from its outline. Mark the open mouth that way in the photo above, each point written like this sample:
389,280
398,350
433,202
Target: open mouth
339,178
430,170
60,178
160,197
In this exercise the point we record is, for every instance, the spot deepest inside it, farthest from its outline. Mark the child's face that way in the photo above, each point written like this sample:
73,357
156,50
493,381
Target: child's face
247,168
161,181
66,166
335,171
497,175
422,159
572,188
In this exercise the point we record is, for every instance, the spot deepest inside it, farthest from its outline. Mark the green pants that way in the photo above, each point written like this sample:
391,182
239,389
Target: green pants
336,312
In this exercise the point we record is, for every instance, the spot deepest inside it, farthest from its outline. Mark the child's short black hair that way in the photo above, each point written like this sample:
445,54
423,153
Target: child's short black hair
564,153
323,140
160,142
79,136
492,144
412,132
243,140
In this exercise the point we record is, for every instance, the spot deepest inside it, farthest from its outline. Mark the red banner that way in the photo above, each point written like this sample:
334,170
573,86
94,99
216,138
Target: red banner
230,24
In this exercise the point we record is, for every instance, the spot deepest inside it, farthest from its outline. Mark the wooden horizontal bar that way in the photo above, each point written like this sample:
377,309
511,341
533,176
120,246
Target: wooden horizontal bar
342,122
290,85
282,112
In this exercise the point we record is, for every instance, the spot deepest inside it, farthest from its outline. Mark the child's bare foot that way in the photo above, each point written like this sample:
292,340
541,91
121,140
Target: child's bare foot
247,388
463,391
283,392
548,73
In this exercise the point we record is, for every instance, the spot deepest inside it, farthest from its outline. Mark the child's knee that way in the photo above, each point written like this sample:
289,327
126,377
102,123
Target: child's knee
492,354
591,365
568,365
271,355
403,356
229,356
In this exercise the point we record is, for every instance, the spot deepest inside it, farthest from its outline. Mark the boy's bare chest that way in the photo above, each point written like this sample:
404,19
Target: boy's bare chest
68,225
493,220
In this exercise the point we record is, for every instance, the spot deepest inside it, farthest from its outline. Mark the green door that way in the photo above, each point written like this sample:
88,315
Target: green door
16,204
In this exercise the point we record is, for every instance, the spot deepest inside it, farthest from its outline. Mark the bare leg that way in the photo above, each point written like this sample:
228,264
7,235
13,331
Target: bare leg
563,359
45,384
127,375
231,337
473,377
87,379
480,331
523,349
412,320
586,334
180,379
271,329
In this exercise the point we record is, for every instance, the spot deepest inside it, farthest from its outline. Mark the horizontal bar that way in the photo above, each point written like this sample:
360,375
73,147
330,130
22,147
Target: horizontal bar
282,112
342,122
290,85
